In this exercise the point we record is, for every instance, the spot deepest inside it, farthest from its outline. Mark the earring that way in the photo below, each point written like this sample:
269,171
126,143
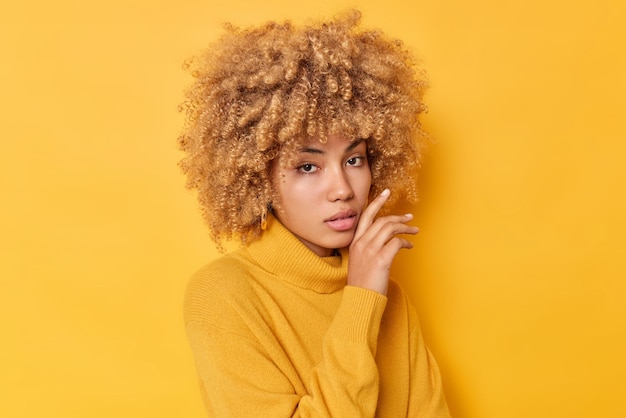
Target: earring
264,219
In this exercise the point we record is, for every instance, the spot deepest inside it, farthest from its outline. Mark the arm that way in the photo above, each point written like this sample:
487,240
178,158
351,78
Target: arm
345,383
375,245
239,378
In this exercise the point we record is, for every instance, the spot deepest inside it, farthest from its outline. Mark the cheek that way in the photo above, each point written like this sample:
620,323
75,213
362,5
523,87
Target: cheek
293,193
366,179
306,195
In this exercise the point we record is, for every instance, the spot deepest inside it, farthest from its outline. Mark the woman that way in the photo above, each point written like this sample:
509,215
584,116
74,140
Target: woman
295,138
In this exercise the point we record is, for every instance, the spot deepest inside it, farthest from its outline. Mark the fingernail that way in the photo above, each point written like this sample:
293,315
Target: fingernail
409,215
385,192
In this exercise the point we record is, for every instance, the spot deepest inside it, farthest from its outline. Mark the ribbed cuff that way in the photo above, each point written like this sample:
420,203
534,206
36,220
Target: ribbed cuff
359,315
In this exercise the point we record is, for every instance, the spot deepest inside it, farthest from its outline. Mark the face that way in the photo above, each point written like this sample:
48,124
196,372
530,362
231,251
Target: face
322,194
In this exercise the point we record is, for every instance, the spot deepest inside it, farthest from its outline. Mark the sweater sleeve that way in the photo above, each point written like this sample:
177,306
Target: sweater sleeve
239,379
346,382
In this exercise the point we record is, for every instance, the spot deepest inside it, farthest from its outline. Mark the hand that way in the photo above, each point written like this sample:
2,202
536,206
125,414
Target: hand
375,245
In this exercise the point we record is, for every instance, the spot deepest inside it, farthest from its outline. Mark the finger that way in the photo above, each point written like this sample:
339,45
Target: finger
389,232
367,216
375,239
391,249
391,221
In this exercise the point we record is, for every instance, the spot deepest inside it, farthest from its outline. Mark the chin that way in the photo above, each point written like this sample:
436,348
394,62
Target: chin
344,243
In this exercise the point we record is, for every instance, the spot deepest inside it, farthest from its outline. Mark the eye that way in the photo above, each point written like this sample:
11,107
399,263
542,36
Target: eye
307,168
355,161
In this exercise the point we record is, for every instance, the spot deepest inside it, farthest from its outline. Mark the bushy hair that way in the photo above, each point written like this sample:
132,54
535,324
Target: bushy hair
259,92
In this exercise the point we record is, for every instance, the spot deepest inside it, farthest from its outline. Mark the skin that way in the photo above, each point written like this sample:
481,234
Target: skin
324,203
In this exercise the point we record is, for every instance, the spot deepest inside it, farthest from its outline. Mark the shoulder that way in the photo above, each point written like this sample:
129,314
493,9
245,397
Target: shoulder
229,265
218,287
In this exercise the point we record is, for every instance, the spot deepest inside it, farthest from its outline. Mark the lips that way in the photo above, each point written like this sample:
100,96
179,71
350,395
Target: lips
342,221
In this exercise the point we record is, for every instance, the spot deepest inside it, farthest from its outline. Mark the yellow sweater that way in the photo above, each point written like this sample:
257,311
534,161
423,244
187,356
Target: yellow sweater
276,332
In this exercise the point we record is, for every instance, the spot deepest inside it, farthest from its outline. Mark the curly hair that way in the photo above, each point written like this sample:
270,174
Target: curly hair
259,92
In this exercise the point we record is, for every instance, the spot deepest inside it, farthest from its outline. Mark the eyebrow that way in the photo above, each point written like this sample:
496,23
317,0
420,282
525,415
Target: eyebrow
311,150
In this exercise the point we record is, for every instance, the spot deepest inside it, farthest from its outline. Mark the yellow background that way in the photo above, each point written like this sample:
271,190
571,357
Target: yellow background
519,268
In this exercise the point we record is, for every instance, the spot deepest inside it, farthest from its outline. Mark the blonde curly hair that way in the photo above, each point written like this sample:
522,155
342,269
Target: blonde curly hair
261,91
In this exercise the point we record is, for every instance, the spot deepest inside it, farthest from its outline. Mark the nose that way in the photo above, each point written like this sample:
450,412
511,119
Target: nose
339,187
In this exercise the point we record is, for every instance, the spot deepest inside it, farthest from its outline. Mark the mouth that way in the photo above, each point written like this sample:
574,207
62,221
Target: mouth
342,221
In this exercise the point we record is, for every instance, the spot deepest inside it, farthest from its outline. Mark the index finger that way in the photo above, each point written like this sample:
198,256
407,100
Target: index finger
368,215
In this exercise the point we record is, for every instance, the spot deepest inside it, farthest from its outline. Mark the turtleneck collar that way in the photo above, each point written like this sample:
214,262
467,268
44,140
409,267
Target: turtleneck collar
284,255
